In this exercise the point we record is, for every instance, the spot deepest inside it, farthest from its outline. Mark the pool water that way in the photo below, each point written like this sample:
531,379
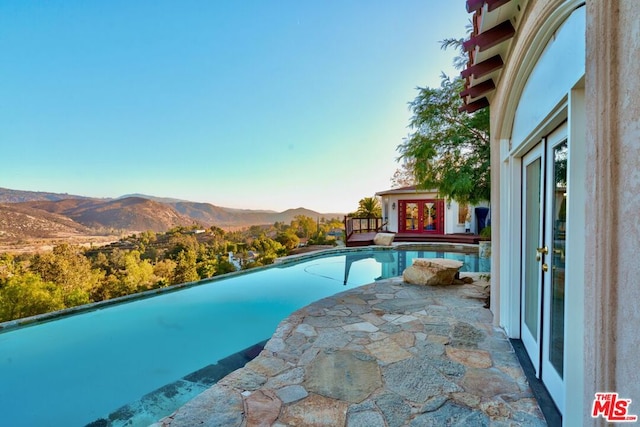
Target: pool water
81,368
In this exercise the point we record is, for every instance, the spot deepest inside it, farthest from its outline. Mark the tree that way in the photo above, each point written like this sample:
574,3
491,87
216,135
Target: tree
268,250
461,60
404,175
125,272
288,239
224,266
321,238
67,267
449,149
369,207
304,226
28,295
179,242
185,270
11,265
335,223
164,271
218,236
136,274
256,231
207,262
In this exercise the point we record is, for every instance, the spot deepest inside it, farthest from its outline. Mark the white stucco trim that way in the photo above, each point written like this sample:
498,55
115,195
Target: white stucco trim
509,296
511,202
555,116
559,66
526,55
532,111
574,317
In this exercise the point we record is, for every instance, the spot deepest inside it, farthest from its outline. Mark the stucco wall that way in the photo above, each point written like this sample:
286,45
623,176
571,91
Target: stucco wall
612,289
612,194
523,112
523,56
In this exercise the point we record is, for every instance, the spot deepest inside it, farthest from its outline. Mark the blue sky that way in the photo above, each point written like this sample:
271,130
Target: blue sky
244,104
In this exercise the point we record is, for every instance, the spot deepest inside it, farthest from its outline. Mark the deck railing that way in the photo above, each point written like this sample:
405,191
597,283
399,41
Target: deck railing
362,225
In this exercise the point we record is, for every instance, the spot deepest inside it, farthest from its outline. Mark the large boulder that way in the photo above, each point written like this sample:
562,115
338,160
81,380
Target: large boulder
432,271
383,239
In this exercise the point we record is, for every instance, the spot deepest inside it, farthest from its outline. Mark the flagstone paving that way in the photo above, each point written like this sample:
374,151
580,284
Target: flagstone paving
385,354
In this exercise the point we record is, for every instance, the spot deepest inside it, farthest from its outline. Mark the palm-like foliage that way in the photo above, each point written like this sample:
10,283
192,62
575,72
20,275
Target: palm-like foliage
369,207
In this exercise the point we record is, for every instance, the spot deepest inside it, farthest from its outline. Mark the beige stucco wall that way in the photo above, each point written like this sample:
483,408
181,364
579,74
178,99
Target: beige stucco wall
542,27
503,106
612,207
612,288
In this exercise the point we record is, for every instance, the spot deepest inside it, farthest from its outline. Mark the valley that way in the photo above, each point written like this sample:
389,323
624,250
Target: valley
37,221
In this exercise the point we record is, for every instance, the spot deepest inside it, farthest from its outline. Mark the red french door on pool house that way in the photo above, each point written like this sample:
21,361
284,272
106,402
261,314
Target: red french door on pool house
421,216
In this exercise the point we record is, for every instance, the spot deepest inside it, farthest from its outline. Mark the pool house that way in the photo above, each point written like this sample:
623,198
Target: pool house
415,215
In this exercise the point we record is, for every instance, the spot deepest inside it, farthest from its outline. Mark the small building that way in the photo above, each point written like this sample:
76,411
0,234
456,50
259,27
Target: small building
415,215
408,210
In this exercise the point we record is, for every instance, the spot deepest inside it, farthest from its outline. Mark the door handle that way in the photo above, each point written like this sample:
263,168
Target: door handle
545,267
543,250
559,252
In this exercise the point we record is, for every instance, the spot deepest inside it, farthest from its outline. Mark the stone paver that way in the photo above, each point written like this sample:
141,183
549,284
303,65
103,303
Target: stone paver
385,354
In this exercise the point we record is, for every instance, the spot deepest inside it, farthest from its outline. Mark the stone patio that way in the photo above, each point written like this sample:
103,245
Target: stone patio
385,354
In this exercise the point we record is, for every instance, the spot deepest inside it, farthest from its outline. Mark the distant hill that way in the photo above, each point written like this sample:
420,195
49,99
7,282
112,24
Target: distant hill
186,203
25,214
20,222
131,213
154,198
17,196
208,214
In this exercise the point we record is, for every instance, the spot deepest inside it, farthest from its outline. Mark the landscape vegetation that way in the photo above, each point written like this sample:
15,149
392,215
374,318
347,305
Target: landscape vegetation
61,250
68,275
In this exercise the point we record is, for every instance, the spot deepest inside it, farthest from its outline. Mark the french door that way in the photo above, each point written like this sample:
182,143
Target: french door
422,216
544,219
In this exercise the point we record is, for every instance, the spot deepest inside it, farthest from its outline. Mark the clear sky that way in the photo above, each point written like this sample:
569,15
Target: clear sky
245,104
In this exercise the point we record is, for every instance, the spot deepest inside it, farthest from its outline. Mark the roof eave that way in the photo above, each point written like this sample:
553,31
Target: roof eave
488,47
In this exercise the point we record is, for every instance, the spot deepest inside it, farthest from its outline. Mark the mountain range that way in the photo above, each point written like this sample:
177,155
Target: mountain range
30,214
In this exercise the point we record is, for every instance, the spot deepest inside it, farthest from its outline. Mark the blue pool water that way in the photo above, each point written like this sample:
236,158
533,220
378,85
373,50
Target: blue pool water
77,369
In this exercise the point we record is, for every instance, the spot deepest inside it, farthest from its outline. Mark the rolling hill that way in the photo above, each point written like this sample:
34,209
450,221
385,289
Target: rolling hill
19,222
131,213
27,214
16,196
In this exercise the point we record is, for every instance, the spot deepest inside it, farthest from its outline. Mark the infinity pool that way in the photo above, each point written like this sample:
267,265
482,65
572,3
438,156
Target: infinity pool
101,363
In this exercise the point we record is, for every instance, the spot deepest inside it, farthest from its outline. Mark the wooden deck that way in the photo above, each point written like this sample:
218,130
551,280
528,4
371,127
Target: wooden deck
366,239
361,231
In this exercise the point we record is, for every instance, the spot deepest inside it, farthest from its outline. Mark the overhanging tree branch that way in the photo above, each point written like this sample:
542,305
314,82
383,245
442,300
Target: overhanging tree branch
449,150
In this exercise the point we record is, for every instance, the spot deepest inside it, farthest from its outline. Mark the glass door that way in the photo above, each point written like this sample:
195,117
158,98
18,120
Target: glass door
544,221
532,251
411,216
422,216
430,216
554,283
